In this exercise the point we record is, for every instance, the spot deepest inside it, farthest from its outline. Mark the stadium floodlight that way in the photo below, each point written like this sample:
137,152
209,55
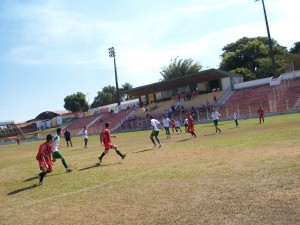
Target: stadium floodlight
271,52
112,54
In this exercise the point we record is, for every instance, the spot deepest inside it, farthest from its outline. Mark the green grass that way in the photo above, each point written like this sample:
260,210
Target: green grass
245,175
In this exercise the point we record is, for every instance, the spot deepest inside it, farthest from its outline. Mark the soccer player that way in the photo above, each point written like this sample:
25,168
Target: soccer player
166,124
173,124
44,158
155,131
105,138
85,137
56,153
235,118
191,128
215,115
261,115
177,126
67,136
186,124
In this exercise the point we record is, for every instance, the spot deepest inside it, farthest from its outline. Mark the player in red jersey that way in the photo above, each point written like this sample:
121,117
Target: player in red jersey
44,158
105,138
261,114
191,128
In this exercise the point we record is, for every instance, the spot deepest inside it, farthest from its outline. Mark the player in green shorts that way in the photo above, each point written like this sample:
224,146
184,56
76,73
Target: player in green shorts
56,153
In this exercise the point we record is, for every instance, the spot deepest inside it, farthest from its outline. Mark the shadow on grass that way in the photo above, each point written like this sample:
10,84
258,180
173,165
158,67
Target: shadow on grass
47,175
187,139
145,150
97,165
23,189
206,135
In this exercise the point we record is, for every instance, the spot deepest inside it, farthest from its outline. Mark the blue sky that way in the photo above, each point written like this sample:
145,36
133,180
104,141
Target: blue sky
53,48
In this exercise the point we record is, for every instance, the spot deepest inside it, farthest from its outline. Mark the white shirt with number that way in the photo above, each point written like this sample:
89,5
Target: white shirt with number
215,115
166,122
155,124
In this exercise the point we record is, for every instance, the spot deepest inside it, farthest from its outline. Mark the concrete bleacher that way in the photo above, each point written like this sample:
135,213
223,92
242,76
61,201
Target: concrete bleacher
95,124
273,99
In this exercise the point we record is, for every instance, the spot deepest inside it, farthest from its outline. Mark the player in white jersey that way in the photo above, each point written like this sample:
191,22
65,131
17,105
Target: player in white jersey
56,153
166,124
85,137
155,131
215,115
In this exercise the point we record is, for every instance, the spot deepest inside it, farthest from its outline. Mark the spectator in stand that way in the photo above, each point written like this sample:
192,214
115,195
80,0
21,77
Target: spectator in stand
261,114
215,99
67,136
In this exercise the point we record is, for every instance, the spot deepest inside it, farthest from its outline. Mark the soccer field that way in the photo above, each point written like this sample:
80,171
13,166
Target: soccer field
246,175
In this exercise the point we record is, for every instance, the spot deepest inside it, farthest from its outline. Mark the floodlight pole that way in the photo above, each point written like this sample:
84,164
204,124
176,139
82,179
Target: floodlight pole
113,54
271,52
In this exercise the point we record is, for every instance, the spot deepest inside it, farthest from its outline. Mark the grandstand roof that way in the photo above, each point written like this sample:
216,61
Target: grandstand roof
202,76
48,115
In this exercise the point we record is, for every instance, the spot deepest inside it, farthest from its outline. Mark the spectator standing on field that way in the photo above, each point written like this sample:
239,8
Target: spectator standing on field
67,136
85,137
235,118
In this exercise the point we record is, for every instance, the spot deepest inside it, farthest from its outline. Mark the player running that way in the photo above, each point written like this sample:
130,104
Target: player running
105,138
44,158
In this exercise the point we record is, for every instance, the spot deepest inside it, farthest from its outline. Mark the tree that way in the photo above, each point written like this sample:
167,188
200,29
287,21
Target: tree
179,68
253,54
76,102
107,96
247,74
125,87
296,48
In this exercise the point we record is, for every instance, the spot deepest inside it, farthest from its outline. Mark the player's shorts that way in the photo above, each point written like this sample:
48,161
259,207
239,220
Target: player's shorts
48,162
57,155
108,146
154,133
191,128
216,122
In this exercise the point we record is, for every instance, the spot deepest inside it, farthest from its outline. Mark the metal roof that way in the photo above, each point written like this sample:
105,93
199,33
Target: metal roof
202,76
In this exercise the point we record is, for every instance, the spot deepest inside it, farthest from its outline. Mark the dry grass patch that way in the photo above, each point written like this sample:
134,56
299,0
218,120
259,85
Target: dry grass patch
238,177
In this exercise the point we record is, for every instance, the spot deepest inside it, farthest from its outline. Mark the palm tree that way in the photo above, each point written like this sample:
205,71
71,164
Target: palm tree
179,68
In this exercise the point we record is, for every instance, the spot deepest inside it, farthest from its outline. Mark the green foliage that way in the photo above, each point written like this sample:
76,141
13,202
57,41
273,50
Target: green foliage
179,68
247,74
296,48
76,102
125,87
253,55
105,97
